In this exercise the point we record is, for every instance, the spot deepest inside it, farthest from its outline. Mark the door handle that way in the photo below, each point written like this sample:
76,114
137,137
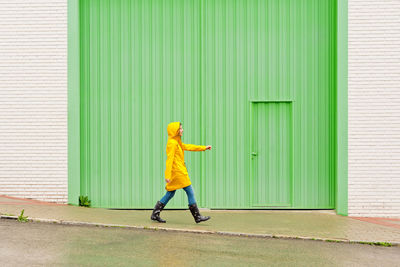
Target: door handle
253,154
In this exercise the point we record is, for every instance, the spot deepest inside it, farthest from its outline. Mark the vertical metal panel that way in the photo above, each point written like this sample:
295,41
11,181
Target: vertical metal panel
268,50
140,70
147,63
73,103
342,183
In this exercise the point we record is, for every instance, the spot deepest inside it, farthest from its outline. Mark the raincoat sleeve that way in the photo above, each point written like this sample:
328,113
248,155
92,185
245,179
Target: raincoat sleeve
190,147
171,148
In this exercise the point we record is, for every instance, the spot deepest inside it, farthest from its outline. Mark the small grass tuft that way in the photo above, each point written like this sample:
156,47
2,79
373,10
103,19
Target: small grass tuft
84,201
22,218
334,241
381,244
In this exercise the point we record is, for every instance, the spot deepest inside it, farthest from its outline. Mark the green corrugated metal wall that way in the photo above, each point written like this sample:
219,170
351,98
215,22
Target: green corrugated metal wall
243,76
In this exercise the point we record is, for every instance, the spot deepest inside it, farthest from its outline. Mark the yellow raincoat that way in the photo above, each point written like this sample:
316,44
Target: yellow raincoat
176,170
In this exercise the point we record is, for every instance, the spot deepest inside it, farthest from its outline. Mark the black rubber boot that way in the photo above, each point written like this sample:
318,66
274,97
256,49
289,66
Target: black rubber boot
196,214
155,216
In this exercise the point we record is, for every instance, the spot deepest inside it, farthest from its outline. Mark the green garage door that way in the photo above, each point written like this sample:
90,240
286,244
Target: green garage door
255,79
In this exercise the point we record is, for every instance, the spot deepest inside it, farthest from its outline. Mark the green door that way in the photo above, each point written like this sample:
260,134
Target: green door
271,156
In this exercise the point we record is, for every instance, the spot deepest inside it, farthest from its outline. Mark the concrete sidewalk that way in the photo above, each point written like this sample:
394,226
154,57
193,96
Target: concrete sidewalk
318,225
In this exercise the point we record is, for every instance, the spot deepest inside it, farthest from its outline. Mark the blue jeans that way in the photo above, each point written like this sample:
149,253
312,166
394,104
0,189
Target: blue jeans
189,192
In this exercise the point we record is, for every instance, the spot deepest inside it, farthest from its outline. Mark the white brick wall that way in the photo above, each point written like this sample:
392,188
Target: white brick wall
374,108
33,99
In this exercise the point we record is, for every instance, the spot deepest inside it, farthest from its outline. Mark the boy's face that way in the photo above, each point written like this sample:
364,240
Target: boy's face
180,130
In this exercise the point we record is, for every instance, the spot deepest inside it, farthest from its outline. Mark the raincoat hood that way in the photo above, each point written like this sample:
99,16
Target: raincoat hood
173,129
173,132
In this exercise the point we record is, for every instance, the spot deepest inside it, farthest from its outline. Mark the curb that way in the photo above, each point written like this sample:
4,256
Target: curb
225,233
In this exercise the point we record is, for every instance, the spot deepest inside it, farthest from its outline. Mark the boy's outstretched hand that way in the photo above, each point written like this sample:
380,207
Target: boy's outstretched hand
208,147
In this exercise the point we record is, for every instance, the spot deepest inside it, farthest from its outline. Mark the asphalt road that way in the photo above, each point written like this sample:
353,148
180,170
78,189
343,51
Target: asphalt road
41,244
